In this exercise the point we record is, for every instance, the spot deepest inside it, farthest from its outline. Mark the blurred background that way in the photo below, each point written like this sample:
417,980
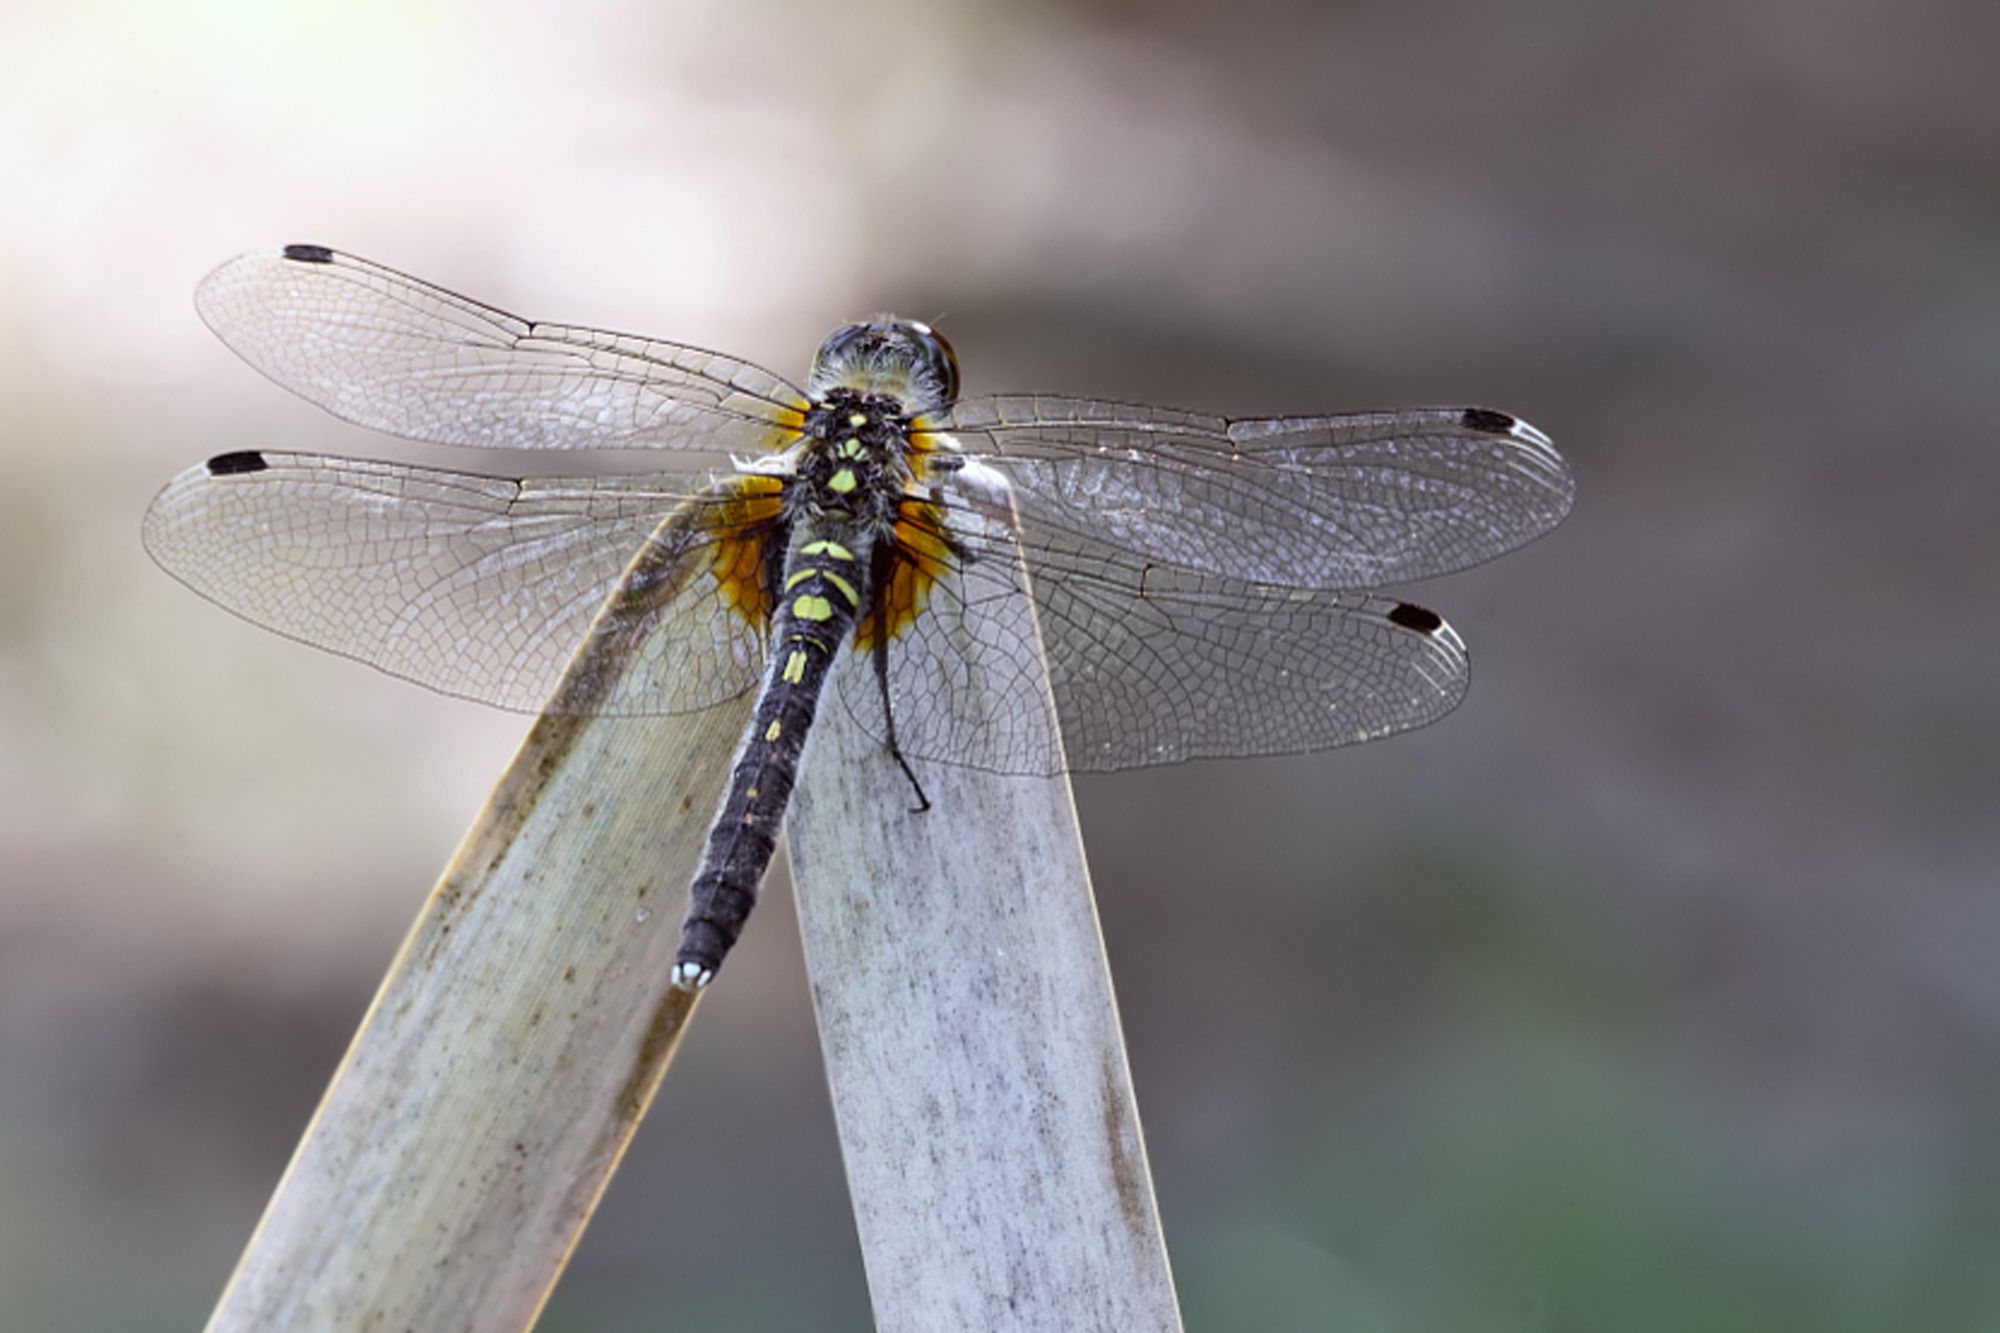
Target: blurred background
1656,989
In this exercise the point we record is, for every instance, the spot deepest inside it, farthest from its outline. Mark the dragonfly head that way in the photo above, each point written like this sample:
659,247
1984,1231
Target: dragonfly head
900,357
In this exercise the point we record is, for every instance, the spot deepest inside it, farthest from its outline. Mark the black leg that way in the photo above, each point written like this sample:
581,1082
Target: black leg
881,656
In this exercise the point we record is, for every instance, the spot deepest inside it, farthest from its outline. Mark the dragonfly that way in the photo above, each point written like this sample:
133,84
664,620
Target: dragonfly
1203,586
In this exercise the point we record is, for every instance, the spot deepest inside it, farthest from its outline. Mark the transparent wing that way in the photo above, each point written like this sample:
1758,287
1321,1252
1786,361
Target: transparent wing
962,683
1149,665
1355,501
481,587
1191,666
384,350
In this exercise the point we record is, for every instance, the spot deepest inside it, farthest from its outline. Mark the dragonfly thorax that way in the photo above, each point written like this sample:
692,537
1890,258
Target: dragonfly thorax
854,460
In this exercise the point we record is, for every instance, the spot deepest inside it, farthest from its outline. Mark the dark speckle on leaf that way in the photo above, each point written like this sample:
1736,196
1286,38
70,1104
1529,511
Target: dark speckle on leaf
309,254
243,460
1486,419
1416,618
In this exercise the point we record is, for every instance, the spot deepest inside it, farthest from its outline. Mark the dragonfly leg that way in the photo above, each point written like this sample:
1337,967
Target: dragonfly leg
881,656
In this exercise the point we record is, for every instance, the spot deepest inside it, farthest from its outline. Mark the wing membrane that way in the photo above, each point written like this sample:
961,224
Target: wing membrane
385,350
1190,666
481,587
1355,501
963,683
1149,665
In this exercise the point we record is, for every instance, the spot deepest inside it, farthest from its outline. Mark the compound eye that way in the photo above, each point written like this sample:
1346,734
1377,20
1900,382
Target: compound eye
839,346
940,360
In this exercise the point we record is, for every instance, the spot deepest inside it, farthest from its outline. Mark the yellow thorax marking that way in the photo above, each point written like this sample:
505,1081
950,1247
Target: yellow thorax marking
841,482
824,547
857,419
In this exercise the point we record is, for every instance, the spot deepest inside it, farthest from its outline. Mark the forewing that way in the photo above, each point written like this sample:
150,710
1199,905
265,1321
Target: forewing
1356,501
385,350
481,587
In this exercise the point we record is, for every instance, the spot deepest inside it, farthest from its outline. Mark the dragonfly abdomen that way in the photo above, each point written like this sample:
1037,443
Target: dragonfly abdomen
824,584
